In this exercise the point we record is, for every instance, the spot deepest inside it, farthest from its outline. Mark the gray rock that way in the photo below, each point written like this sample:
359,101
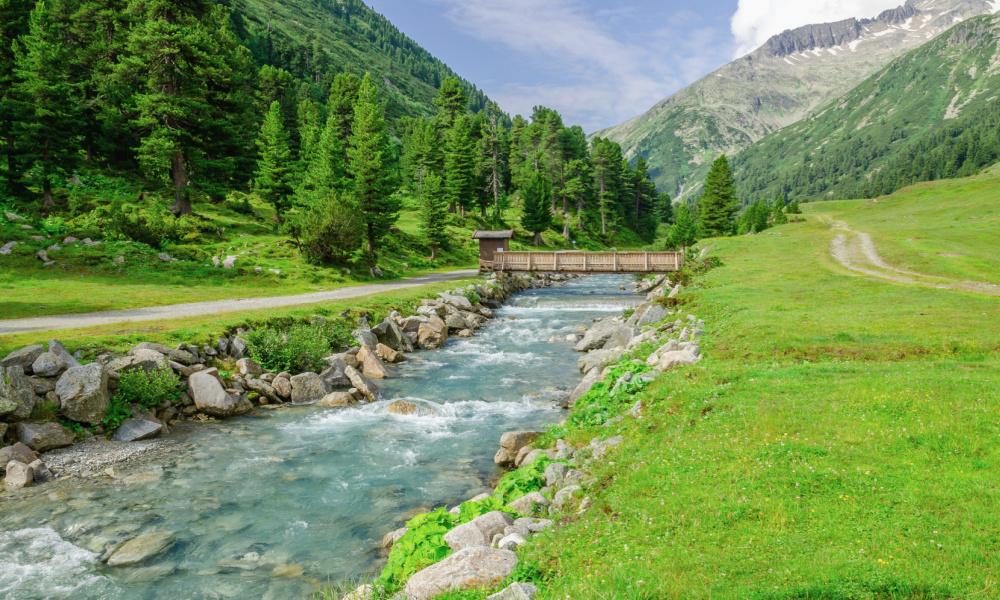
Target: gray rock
477,532
7,248
336,400
598,334
588,381
532,524
392,537
18,452
248,367
526,504
564,497
41,437
19,475
23,357
511,443
515,591
282,387
140,549
335,376
371,365
653,314
432,333
601,447
17,395
83,393
455,322
210,396
133,430
472,568
596,360
237,347
308,387
511,541
532,456
40,471
390,334
669,360
555,473
263,388
388,355
140,359
165,350
459,302
365,338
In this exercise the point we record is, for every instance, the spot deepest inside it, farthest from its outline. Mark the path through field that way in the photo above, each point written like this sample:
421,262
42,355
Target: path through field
856,251
193,309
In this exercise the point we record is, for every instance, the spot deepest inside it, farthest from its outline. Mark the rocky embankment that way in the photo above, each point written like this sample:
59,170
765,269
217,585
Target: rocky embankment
551,481
52,405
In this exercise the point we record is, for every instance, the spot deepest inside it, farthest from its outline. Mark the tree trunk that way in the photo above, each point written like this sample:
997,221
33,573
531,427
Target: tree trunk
433,252
48,201
566,226
538,238
372,258
179,177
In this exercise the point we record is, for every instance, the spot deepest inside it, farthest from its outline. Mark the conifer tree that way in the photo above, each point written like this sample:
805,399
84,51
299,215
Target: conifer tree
576,191
642,208
309,131
778,213
422,152
13,24
665,208
793,208
537,215
43,62
273,179
369,155
434,212
343,96
719,205
493,150
606,163
460,164
326,169
684,232
452,101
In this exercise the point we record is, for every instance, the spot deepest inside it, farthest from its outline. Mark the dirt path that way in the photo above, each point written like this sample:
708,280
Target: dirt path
194,309
856,251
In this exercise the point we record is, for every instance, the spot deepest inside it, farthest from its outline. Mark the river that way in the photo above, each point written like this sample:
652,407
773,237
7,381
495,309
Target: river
269,506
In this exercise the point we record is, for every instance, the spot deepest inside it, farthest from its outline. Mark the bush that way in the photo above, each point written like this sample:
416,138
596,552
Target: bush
148,389
472,296
150,224
329,232
296,349
421,546
239,202
55,226
527,479
603,401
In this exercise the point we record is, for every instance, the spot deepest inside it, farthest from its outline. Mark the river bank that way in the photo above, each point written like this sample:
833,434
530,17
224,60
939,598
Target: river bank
345,474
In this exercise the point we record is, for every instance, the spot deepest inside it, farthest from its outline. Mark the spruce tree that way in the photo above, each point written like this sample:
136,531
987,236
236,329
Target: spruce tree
665,208
310,131
577,191
13,24
684,232
434,212
326,171
719,204
369,157
452,101
340,104
422,152
43,63
493,157
273,178
643,205
537,215
460,164
606,161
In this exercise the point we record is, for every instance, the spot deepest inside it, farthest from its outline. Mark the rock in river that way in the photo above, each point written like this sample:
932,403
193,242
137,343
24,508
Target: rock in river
133,430
211,398
308,387
83,393
140,548
17,396
44,436
510,443
472,568
477,532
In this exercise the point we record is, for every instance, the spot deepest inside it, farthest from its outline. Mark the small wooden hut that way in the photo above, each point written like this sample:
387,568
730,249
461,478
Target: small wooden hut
491,242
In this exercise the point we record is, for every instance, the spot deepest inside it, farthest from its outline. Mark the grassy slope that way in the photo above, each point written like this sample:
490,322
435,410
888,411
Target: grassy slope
838,441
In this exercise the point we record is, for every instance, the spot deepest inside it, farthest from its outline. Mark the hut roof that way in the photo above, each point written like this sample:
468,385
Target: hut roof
493,235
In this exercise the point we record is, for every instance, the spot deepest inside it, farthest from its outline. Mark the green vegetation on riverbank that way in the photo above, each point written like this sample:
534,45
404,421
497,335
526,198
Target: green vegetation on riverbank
838,440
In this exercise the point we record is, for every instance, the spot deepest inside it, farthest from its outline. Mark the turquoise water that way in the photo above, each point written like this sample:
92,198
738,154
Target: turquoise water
271,506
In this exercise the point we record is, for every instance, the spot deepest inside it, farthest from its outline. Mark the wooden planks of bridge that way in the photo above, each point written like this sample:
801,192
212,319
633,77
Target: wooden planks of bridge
584,262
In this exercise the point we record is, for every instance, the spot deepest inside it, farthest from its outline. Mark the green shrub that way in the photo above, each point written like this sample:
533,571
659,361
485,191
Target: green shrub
295,349
118,411
150,224
239,202
472,296
149,388
526,479
603,402
55,226
421,546
329,232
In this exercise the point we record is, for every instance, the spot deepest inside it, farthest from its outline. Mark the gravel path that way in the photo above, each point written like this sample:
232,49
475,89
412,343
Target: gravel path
856,251
194,309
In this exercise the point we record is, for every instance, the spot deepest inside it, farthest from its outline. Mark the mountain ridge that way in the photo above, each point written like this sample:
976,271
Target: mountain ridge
776,85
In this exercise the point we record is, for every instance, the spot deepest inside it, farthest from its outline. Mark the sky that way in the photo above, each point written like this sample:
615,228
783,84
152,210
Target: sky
600,62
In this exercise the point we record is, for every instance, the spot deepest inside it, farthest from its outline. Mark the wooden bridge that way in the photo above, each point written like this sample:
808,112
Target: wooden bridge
584,262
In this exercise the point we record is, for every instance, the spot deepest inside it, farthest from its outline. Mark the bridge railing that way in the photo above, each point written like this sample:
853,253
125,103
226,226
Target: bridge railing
587,262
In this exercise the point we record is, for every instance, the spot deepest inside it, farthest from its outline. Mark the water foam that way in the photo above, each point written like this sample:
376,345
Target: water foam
39,563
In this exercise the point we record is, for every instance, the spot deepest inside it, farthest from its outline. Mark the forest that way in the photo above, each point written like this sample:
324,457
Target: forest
196,109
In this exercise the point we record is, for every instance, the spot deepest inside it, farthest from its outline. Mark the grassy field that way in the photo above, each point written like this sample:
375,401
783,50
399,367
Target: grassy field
839,440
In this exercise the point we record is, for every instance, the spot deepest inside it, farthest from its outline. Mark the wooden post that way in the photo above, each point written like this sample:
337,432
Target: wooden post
645,256
530,261
585,269
615,261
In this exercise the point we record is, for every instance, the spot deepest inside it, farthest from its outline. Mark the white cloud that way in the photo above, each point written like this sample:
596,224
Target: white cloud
607,78
757,20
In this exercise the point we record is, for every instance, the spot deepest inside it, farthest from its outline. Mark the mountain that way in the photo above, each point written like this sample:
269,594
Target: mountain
932,114
314,38
778,84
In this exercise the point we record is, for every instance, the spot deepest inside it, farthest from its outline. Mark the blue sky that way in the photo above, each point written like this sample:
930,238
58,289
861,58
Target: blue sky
599,62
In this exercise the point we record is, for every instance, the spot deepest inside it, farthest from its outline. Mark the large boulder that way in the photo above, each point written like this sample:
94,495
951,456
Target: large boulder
620,338
599,334
361,383
41,437
133,430
83,393
19,475
308,387
432,333
510,443
388,354
140,359
478,567
598,359
18,452
248,367
140,548
455,322
654,313
588,381
478,532
459,302
23,357
515,591
336,400
392,335
411,325
335,375
526,504
17,395
674,358
365,338
210,395
48,364
371,365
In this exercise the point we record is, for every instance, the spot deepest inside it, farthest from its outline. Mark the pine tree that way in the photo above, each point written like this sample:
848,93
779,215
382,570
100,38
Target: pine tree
793,208
460,164
340,104
537,215
43,62
434,212
422,152
273,179
577,191
665,208
778,213
369,156
452,101
174,51
13,24
493,150
326,171
684,232
606,163
643,190
719,204
309,132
